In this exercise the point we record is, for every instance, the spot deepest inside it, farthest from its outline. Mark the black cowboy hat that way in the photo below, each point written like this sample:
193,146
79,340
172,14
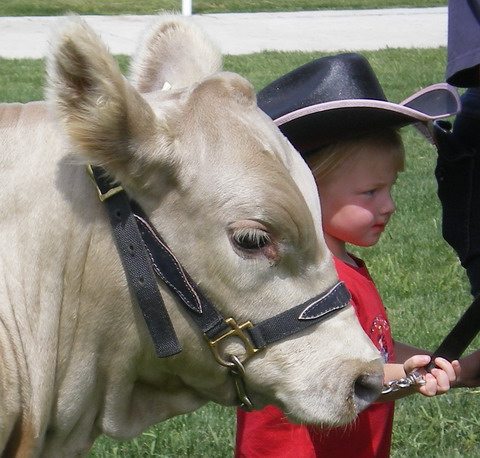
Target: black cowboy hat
338,97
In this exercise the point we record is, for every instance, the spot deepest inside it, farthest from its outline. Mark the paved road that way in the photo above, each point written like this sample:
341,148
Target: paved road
249,33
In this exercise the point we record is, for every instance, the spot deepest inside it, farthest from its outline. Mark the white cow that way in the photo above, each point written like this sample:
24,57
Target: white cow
234,202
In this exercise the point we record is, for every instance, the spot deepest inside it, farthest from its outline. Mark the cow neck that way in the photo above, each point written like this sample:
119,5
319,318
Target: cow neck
145,255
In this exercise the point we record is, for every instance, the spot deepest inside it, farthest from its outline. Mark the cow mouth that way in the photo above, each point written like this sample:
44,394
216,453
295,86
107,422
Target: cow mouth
338,409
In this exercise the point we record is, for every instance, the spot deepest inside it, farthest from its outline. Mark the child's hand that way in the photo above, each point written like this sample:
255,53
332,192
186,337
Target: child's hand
440,379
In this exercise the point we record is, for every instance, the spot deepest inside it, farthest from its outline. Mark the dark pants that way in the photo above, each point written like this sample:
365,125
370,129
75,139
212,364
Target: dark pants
458,177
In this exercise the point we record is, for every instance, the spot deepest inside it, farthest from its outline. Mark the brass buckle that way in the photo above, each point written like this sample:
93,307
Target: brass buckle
235,331
103,196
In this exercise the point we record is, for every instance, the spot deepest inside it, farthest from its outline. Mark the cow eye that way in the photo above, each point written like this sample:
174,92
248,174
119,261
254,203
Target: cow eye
251,239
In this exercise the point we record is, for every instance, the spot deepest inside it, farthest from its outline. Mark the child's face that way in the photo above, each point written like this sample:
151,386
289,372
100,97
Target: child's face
356,200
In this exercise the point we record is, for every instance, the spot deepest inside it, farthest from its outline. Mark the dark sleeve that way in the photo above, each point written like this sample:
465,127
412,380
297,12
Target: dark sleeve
458,178
463,61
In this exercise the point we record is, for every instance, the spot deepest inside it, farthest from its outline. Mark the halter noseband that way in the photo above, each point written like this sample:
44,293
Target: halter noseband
144,254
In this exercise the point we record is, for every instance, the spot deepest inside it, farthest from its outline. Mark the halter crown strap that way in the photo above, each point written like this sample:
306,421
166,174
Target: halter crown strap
136,263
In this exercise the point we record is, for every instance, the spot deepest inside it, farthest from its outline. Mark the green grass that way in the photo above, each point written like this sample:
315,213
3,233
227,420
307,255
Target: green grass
207,432
59,7
419,277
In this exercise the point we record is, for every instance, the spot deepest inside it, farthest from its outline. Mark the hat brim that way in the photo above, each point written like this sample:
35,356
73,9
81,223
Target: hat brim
314,126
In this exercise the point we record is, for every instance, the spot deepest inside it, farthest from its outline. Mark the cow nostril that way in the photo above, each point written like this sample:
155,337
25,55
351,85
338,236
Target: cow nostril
366,389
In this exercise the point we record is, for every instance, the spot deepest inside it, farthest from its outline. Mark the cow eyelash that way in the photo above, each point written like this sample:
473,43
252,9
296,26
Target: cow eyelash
249,239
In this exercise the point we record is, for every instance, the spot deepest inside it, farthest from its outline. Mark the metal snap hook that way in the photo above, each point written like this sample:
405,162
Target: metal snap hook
238,372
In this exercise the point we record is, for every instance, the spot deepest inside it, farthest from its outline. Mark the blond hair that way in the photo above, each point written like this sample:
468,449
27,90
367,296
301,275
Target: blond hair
326,160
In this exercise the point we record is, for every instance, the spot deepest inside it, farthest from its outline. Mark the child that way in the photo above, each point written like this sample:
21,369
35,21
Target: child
350,141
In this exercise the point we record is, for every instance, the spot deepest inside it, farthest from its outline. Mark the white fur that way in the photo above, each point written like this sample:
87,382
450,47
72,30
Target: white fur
76,359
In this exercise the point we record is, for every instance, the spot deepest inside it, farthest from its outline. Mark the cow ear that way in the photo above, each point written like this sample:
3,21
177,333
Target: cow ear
103,116
174,54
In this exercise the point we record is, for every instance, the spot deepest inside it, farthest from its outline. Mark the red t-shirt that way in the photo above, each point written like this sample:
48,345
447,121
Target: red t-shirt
267,433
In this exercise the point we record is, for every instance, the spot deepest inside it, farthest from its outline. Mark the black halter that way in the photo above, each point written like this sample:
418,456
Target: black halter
144,254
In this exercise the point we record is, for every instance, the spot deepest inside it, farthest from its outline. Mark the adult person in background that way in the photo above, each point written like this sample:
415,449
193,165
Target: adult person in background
458,166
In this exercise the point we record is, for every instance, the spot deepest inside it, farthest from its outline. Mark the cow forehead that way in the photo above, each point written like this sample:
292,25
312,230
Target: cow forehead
237,158
286,178
253,174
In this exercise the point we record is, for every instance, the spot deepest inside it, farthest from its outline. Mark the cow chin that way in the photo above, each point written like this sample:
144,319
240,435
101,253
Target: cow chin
339,403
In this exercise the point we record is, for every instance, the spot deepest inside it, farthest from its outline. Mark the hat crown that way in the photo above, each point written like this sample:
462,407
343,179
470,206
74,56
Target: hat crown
341,77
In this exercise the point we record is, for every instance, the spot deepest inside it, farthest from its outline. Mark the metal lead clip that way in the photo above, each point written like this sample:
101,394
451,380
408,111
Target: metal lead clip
412,379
